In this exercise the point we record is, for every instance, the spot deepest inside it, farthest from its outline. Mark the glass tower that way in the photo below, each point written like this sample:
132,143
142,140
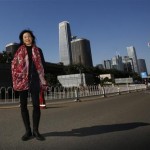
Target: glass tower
81,52
117,63
132,54
107,64
65,43
142,66
12,48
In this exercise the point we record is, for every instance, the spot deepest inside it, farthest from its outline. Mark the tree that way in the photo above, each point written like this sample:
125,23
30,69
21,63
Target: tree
5,57
52,80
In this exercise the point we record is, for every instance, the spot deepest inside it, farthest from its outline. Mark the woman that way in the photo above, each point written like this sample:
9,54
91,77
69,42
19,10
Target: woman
28,76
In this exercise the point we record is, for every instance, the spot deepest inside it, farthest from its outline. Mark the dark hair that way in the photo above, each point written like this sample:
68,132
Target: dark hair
26,31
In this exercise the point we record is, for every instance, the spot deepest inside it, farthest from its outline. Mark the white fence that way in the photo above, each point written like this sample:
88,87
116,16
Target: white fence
8,95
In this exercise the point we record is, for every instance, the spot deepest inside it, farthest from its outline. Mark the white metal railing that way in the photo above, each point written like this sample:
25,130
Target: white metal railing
8,95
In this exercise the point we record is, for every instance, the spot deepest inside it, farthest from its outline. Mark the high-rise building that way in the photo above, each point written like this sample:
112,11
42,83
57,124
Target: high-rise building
142,66
107,64
132,54
81,52
117,63
128,64
11,48
65,43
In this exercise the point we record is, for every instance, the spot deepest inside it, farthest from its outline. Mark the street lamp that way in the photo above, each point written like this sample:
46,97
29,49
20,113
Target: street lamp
80,72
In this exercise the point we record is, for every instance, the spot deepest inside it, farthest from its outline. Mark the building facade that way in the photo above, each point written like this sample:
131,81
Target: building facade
107,64
142,66
117,63
81,52
11,48
128,64
132,54
65,43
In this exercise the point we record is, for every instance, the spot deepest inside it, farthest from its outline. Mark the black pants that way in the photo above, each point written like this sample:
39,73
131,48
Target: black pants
36,108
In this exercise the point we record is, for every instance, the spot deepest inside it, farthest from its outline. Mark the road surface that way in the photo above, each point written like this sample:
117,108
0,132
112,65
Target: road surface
114,123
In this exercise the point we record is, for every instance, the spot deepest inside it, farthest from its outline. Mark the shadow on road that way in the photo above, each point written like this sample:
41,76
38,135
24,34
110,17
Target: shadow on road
99,129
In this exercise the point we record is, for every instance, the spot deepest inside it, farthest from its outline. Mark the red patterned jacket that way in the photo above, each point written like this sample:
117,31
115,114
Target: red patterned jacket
20,68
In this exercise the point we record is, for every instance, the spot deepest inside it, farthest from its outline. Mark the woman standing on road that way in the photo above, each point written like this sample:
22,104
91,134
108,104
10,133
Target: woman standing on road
28,76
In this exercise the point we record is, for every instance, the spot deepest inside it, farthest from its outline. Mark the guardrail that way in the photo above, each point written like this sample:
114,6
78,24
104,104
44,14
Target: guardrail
8,95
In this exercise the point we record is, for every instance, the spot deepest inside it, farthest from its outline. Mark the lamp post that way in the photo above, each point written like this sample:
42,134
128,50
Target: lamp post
81,76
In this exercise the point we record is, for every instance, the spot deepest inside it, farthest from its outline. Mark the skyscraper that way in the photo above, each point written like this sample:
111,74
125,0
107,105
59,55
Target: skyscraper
117,63
107,64
11,48
81,52
128,64
142,66
65,43
132,54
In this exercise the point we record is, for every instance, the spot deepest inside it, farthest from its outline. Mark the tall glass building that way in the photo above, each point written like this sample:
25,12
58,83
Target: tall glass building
128,64
117,63
81,52
65,43
107,64
11,48
132,54
142,66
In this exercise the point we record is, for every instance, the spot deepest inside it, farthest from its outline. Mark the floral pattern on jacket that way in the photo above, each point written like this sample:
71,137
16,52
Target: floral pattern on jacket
20,68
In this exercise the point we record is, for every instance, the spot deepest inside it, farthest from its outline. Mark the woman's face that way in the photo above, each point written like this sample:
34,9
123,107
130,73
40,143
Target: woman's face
27,39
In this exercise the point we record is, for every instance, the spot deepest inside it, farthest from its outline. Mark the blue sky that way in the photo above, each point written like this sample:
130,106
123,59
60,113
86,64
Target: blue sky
110,25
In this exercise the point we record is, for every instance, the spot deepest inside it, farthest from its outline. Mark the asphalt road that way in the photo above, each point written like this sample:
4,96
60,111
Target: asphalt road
113,123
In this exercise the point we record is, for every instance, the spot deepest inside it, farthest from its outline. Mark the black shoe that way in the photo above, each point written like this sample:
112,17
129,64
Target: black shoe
38,136
26,136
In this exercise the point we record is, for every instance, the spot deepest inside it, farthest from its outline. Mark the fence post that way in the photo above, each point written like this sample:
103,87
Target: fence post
77,95
104,94
128,88
118,90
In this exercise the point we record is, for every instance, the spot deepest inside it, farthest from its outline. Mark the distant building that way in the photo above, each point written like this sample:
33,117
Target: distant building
117,63
142,66
81,52
65,43
132,54
128,64
107,64
11,48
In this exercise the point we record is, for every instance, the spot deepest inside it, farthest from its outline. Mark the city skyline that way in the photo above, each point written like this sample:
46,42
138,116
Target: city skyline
109,25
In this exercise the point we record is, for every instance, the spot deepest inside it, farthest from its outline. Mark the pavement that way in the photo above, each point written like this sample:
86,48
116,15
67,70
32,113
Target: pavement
117,122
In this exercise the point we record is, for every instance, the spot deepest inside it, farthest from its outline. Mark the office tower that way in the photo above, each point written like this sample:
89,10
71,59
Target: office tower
117,63
142,66
11,48
81,52
107,64
65,43
128,64
132,54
